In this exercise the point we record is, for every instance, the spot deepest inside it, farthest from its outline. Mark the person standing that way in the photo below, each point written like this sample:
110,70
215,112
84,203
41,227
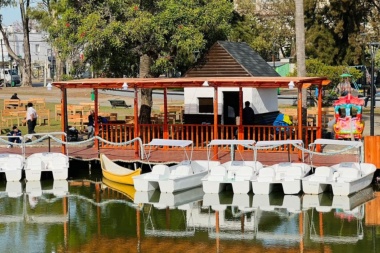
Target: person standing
248,119
230,115
31,119
15,132
369,96
91,125
248,114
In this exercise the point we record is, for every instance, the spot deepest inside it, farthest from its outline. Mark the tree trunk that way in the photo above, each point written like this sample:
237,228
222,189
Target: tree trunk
300,48
27,66
146,94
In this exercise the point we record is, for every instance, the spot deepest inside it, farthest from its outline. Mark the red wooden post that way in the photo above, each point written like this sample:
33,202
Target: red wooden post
240,127
96,118
166,132
136,121
299,116
63,117
215,121
319,116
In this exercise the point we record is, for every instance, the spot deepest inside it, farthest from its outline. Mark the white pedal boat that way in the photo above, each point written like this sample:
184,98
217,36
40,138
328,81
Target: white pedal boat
286,174
185,175
238,174
57,163
344,178
12,165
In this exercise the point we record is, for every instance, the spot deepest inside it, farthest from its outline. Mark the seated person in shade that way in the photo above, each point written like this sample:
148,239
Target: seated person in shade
15,132
14,96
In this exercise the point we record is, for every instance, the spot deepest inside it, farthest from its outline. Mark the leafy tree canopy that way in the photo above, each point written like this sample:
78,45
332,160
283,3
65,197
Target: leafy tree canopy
114,34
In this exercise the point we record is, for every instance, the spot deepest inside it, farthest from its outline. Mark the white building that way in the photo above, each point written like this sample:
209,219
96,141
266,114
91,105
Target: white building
40,49
229,59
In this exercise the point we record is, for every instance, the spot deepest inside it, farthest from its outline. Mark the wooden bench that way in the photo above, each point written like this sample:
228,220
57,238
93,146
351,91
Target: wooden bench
11,103
75,120
119,103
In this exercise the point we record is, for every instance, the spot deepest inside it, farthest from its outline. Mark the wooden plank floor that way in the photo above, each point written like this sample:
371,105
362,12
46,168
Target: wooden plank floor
174,156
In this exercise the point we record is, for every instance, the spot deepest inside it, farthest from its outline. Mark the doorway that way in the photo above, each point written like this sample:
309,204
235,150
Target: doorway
230,107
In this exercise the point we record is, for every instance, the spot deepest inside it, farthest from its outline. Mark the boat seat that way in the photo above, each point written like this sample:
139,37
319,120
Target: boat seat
13,163
217,173
35,163
266,174
290,172
60,162
322,174
159,171
181,171
244,173
347,175
199,166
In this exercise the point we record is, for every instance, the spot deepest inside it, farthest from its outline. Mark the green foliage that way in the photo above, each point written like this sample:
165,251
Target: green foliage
114,34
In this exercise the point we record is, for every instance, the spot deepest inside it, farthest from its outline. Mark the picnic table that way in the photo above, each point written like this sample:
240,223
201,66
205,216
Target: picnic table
119,103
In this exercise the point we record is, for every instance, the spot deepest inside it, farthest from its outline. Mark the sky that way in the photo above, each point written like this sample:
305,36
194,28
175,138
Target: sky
10,15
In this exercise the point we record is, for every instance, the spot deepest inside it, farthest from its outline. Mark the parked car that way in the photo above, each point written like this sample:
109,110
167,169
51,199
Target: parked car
9,78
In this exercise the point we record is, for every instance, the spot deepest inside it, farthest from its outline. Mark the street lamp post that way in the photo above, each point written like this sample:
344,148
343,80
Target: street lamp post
373,46
1,41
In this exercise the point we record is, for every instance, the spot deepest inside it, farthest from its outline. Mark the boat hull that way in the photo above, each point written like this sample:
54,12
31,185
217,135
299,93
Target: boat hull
343,179
57,163
181,183
12,165
117,173
345,189
122,179
213,187
312,187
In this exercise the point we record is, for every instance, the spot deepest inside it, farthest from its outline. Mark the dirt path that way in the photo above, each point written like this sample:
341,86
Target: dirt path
74,96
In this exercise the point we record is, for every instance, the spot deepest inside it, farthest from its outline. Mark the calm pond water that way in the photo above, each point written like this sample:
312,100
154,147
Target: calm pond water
88,214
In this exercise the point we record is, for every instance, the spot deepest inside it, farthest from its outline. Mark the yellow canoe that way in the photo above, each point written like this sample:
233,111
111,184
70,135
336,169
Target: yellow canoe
127,190
117,173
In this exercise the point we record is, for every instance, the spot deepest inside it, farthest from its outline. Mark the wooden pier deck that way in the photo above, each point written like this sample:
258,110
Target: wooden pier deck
85,153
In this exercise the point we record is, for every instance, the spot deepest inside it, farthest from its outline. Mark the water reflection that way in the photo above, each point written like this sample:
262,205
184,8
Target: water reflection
99,215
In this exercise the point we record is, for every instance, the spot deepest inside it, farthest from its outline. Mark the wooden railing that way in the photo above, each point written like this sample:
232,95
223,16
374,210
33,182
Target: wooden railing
201,135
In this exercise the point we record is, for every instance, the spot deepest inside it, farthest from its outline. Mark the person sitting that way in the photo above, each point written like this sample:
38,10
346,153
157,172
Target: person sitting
15,132
14,96
345,87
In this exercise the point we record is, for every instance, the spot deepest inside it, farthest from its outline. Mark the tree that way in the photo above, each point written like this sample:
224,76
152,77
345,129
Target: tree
24,64
155,35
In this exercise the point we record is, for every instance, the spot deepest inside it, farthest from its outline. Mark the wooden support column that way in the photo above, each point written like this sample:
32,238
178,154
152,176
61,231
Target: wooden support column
136,122
300,121
319,116
64,117
96,101
215,122
166,132
240,127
